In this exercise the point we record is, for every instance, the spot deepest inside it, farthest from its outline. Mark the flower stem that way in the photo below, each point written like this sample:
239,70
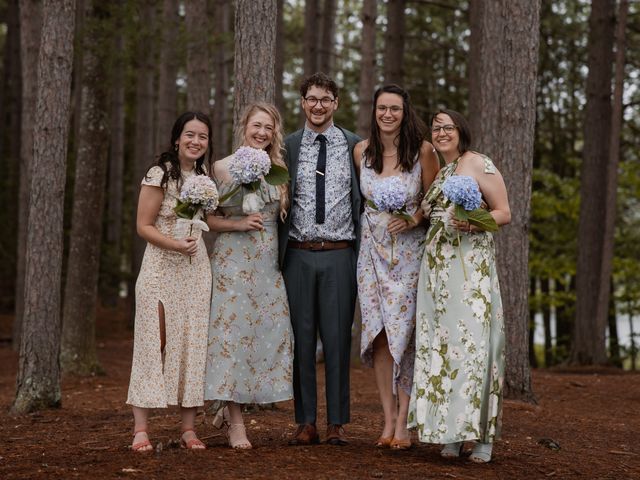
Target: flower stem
190,231
464,270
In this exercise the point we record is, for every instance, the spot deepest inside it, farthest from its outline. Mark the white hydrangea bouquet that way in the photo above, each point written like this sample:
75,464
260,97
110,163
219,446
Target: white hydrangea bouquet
390,195
198,196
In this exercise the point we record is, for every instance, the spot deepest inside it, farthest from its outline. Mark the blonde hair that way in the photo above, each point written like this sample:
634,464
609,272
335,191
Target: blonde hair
275,149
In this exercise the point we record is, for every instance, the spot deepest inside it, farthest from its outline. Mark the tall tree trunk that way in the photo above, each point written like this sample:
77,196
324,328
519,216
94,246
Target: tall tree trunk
394,38
143,151
565,315
38,382
115,192
223,63
533,359
327,38
367,67
168,71
594,263
78,353
279,59
507,102
632,337
310,50
198,71
30,31
255,47
612,322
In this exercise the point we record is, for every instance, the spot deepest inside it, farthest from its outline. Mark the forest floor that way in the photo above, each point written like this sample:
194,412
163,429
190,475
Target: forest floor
593,416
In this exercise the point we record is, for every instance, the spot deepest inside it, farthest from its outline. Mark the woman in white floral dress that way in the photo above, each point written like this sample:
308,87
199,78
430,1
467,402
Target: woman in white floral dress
250,350
387,286
459,366
172,291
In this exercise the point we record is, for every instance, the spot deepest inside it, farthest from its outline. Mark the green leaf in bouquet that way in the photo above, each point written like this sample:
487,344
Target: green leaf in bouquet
460,213
253,186
371,204
482,219
278,175
228,195
404,216
185,210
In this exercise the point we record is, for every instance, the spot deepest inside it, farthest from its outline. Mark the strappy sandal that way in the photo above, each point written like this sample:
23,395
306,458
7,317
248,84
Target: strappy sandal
383,442
452,450
397,444
221,418
193,443
237,435
140,447
481,452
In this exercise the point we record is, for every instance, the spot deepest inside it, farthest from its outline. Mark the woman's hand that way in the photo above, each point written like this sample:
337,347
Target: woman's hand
397,225
251,222
187,246
463,226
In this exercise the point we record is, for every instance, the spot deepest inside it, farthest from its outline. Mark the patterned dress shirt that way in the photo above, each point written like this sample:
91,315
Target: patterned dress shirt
338,223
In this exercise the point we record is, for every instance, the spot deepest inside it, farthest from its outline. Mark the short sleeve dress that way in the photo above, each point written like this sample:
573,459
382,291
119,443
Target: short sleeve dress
183,287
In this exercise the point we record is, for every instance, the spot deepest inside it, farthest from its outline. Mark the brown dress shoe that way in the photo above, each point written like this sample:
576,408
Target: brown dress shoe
305,435
336,435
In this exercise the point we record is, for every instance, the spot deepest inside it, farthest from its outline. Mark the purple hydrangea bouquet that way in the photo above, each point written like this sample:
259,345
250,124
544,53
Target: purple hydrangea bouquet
390,195
197,195
463,191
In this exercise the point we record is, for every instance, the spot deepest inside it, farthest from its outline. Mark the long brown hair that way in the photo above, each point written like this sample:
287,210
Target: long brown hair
274,149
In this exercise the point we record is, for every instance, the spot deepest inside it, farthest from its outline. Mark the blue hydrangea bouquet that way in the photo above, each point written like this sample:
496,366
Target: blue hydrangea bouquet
463,191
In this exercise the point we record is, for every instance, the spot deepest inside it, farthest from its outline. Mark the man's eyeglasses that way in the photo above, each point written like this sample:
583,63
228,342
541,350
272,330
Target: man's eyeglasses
393,108
448,129
324,101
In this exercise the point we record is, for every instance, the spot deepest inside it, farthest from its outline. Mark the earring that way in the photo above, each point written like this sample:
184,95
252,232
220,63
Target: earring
175,147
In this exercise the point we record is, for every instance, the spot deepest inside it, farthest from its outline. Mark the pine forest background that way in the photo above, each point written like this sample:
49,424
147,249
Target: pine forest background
133,65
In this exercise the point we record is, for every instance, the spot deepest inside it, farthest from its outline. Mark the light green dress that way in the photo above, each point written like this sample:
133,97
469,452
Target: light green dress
459,365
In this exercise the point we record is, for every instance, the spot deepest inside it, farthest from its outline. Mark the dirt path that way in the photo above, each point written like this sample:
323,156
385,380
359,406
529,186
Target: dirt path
594,418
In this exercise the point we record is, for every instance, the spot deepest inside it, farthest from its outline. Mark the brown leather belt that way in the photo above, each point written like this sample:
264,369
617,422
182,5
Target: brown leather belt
324,245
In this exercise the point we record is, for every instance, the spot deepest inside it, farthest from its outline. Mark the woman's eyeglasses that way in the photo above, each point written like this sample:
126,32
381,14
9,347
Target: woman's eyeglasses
448,129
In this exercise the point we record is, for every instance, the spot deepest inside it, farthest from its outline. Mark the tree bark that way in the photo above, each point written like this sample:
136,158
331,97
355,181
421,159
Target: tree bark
507,80
198,71
310,39
475,66
327,38
223,63
594,262
168,71
367,67
30,31
279,60
394,39
255,46
78,353
38,382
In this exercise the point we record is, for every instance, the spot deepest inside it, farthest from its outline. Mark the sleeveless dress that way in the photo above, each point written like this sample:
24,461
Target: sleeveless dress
250,349
459,366
387,292
184,289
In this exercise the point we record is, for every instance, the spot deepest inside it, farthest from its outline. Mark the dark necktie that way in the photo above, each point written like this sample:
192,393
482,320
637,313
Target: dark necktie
320,168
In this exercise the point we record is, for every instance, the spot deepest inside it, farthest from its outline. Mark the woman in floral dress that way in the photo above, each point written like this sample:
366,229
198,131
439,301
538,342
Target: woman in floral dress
387,286
250,351
173,290
459,366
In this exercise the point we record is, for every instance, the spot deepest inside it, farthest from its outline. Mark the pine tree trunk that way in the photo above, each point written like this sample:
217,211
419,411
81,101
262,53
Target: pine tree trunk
38,382
198,71
367,67
394,38
78,353
310,39
30,31
327,38
223,63
594,263
507,80
168,71
533,359
565,314
255,47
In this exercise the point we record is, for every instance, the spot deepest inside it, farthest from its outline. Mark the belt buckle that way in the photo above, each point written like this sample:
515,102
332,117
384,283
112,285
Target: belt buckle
316,248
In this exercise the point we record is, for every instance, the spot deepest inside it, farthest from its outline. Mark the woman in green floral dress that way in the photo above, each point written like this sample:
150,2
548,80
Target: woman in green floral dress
459,365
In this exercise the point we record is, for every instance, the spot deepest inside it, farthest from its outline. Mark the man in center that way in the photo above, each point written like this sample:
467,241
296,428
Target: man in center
318,245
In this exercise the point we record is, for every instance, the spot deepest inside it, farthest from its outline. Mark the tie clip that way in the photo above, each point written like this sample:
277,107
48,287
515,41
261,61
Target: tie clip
319,173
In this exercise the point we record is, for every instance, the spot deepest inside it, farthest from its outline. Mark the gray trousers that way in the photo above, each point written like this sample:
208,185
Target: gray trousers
321,286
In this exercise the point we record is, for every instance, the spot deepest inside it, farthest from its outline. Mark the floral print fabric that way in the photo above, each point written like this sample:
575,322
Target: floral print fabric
250,350
459,365
387,291
184,289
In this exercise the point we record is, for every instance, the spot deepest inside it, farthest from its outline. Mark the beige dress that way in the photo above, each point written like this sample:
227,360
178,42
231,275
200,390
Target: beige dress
184,288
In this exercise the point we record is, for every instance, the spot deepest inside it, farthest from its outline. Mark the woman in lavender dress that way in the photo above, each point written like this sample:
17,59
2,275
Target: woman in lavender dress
387,282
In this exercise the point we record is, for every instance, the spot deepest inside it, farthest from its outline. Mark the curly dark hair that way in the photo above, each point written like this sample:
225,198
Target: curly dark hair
409,140
321,80
168,160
